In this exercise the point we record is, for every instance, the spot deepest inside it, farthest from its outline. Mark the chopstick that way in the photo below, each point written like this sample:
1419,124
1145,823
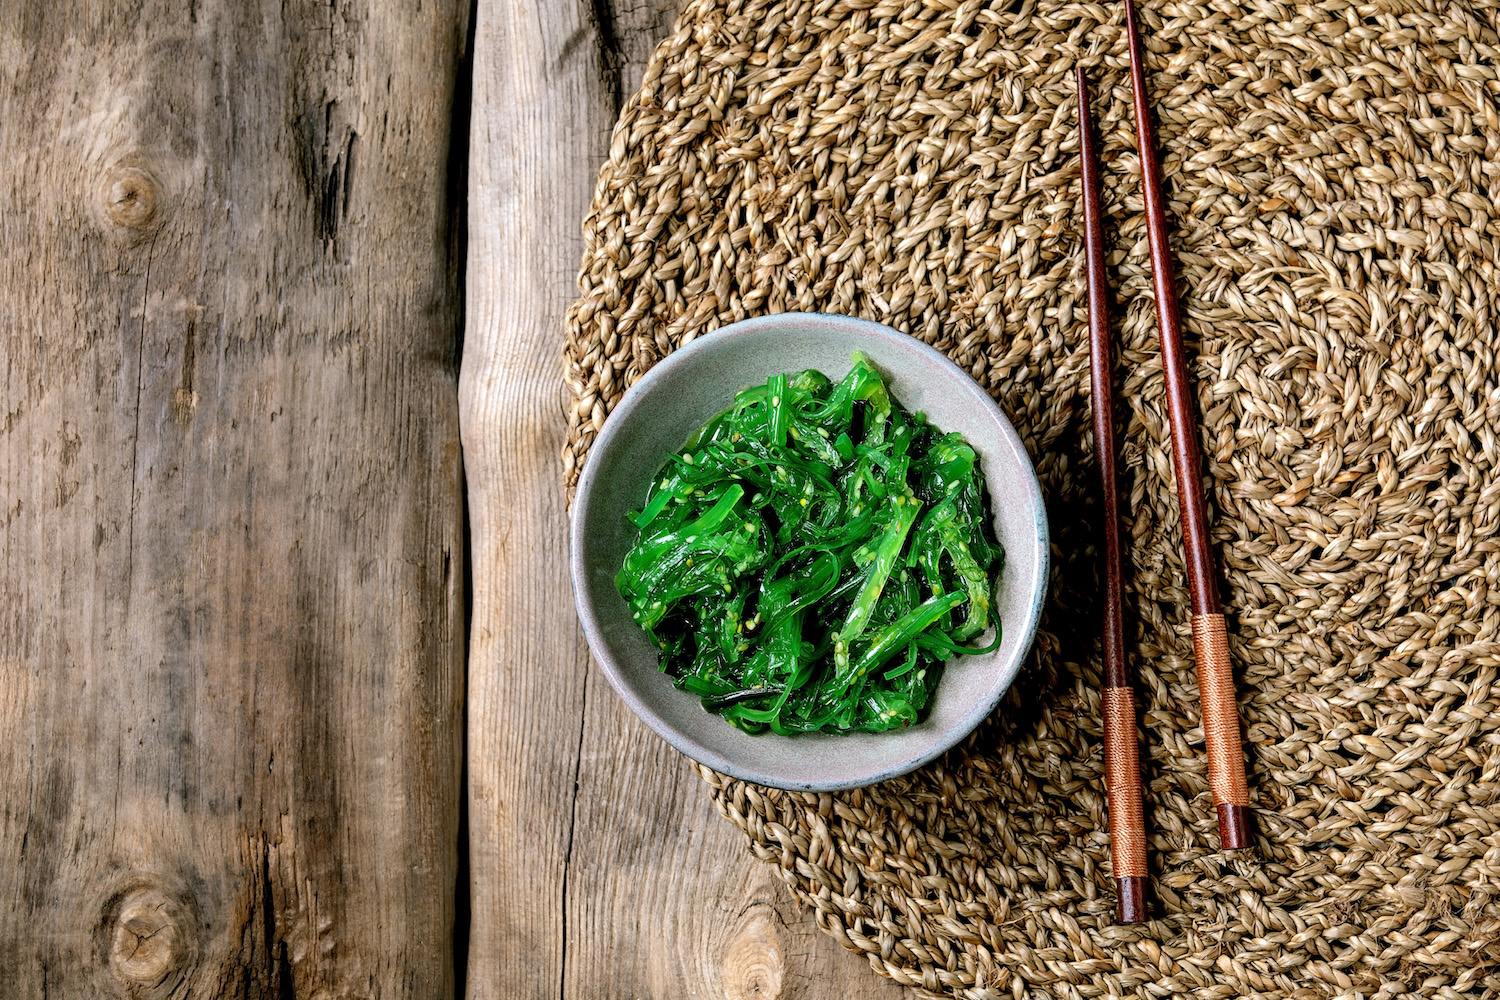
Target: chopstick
1122,766
1221,720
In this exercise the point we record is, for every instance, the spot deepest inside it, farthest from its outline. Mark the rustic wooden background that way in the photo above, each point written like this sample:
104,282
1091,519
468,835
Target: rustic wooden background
235,282
231,623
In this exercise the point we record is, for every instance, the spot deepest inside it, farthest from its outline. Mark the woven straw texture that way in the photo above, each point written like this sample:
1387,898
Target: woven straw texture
1331,173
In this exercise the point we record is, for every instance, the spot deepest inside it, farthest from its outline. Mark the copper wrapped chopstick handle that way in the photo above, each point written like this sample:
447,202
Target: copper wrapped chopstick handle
1127,823
1221,730
1221,724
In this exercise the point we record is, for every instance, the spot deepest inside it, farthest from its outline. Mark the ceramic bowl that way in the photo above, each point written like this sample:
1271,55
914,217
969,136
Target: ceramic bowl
680,394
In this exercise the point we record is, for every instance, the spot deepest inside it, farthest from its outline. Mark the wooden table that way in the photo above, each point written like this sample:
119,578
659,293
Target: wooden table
232,631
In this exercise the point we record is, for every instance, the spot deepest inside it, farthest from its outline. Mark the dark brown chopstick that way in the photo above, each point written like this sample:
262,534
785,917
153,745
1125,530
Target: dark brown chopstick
1122,765
1221,719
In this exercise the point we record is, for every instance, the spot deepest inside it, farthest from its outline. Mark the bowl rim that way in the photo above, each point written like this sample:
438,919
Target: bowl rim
794,323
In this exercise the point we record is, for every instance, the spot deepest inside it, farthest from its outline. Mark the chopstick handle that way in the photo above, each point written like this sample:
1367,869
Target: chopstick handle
1122,766
1221,730
1127,824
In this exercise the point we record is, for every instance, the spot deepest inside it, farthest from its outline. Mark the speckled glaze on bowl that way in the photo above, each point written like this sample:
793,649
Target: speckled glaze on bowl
699,381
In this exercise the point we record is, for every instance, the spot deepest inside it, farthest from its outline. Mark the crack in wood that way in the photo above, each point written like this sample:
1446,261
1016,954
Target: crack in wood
135,438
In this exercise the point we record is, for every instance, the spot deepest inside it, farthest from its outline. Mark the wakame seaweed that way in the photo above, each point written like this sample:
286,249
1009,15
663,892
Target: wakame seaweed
812,555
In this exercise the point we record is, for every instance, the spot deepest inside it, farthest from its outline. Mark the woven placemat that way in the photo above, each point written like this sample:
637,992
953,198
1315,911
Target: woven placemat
1331,174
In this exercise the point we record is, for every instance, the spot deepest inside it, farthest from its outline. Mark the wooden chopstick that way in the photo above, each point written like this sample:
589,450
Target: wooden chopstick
1221,719
1122,765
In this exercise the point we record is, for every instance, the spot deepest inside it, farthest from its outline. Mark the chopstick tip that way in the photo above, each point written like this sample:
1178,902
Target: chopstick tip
1235,827
1130,899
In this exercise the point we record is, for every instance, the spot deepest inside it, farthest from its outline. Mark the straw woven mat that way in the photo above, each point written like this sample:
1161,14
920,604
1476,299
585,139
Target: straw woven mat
1331,171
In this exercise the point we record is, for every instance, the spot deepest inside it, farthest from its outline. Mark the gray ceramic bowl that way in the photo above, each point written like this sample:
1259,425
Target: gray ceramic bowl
679,395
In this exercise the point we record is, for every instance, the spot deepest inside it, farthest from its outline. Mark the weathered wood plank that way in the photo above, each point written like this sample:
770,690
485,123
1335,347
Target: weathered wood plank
541,118
232,607
599,866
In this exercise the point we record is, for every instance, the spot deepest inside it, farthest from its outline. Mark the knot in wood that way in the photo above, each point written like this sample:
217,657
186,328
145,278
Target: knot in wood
131,196
754,965
152,944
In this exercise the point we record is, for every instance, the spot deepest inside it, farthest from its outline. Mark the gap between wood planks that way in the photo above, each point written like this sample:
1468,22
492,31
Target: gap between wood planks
460,139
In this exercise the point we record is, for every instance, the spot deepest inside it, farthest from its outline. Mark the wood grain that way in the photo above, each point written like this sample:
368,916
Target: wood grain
230,511
599,866
539,117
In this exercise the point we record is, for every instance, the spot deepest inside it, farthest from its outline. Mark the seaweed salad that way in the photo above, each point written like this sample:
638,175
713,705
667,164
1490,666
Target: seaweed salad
811,556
